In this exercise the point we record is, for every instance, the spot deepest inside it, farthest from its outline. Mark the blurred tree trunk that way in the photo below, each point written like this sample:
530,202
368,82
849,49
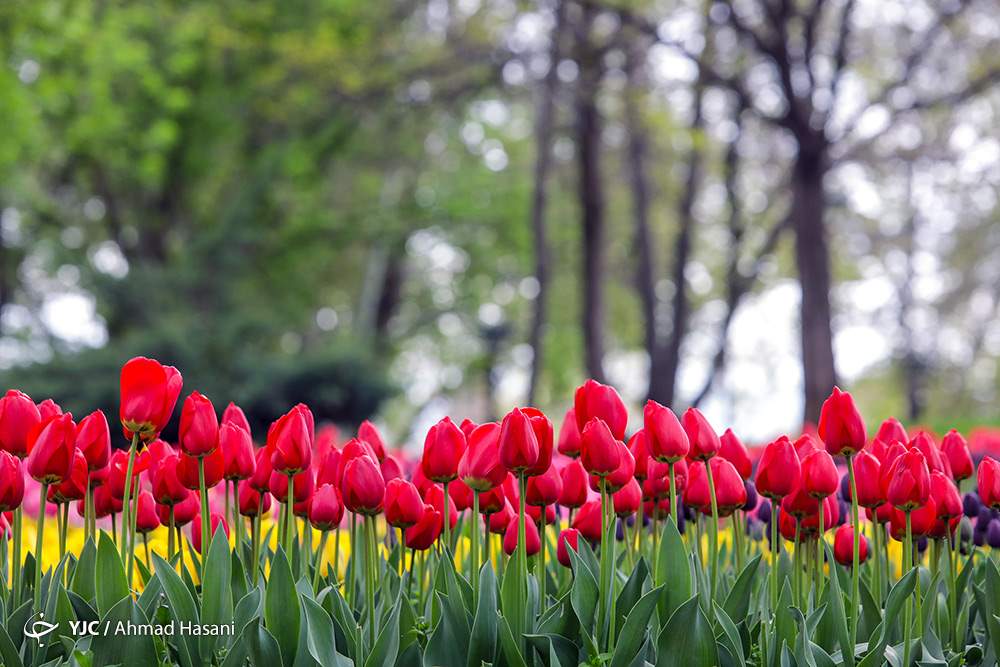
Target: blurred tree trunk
914,367
812,258
591,195
543,163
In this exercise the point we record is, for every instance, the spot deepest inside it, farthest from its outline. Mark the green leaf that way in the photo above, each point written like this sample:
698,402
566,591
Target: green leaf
126,649
320,638
835,610
672,571
216,591
687,638
631,592
584,594
731,636
633,633
511,648
263,648
386,647
110,580
182,607
281,608
738,601
8,652
483,640
902,590
82,582
513,598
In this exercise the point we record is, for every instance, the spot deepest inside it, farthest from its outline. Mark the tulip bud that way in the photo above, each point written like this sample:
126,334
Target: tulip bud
403,505
49,409
932,455
74,486
51,450
730,492
956,450
370,434
922,520
184,511
18,418
11,481
543,429
492,501
544,489
519,447
840,425
252,502
390,467
588,521
199,429
468,426
290,441
233,414
620,476
627,499
237,452
532,541
498,521
574,485
261,478
988,479
569,436
217,523
443,449
945,495
599,453
569,538
779,470
93,438
105,503
867,473
149,392
188,473
422,535
734,451
363,487
667,440
703,438
480,467
910,485
146,520
326,509
819,475
302,487
594,400
892,431
843,546
434,496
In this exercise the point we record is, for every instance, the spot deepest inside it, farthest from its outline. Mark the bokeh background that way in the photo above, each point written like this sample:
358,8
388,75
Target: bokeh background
406,208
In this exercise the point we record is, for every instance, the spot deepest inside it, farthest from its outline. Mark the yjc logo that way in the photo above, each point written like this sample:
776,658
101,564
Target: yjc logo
38,628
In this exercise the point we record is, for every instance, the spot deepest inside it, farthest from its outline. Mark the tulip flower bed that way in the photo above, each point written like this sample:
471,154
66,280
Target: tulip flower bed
501,545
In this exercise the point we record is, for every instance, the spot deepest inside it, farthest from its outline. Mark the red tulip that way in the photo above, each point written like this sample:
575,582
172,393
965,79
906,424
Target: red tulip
93,438
492,501
187,470
468,426
119,466
867,477
799,504
533,544
105,503
146,520
252,502
892,431
805,444
403,505
74,487
302,487
237,452
51,450
390,467
734,451
621,475
840,425
261,478
325,442
667,439
370,434
588,521
352,450
945,496
167,487
326,509
932,455
199,429
233,414
843,546
574,485
569,538
627,499
988,479
443,449
544,489
460,494
956,449
779,470
434,496
290,441
216,521
149,392
498,521
910,486
819,475
730,491
890,457
703,438
922,520
363,487
422,535
519,446
11,482
831,515
480,467
534,512
569,436
18,418
49,409
600,451
594,400
184,511
544,436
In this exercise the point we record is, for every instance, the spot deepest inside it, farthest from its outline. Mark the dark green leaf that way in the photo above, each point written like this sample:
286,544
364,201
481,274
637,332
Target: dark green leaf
687,639
281,608
633,633
110,580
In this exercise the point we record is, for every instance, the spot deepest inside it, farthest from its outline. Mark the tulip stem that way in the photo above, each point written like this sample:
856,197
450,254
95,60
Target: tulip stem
290,530
819,552
412,571
673,493
126,506
797,563
905,566
737,526
16,569
640,528
145,548
370,572
446,513
205,510
170,532
88,501
522,552
775,553
855,560
63,514
474,554
114,528
607,547
39,543
952,598
319,559
335,563
714,533
255,540
540,563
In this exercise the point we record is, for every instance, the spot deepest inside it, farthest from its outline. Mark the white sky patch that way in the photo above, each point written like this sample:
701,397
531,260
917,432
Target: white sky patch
72,316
